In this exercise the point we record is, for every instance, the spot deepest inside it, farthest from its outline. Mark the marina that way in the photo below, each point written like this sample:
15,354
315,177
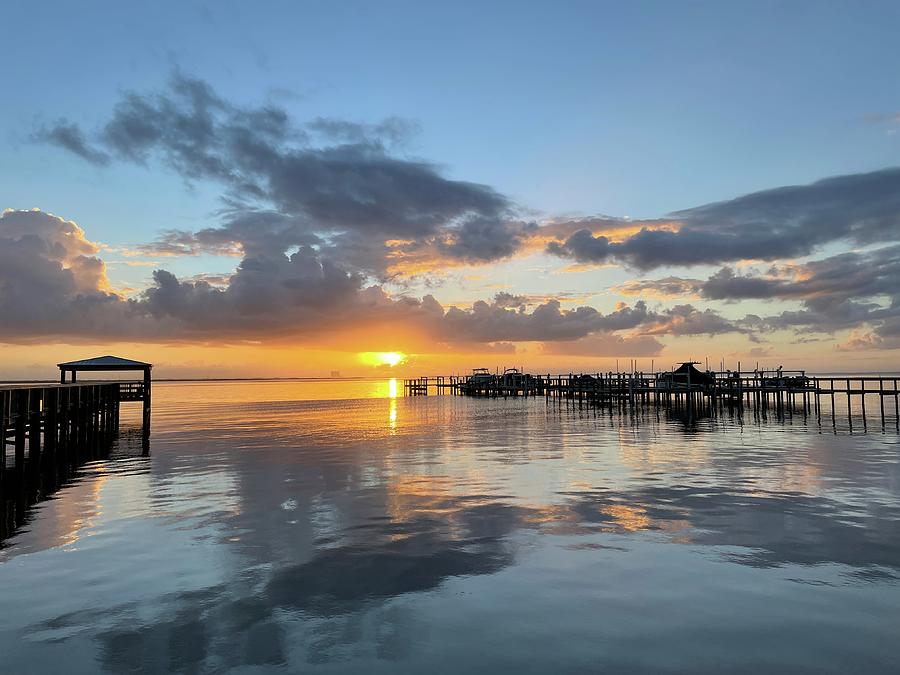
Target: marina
782,391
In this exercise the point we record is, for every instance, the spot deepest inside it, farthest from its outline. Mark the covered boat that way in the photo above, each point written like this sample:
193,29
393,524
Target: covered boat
686,374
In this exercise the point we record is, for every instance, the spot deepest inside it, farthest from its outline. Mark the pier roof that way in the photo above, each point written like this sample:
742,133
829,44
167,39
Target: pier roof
104,363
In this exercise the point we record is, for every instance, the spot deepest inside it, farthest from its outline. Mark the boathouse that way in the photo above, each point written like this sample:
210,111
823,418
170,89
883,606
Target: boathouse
686,373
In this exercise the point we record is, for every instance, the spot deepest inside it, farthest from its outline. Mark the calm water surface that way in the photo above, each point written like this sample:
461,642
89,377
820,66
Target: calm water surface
330,527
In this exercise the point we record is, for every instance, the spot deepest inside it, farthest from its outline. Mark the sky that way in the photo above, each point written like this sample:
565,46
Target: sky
292,189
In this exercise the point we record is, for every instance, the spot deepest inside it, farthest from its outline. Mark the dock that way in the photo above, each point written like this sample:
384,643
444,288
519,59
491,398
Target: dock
48,430
781,391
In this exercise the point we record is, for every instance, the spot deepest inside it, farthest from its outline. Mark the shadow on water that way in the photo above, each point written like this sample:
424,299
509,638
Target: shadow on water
23,490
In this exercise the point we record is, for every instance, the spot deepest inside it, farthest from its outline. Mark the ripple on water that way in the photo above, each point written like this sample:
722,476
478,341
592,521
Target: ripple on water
271,527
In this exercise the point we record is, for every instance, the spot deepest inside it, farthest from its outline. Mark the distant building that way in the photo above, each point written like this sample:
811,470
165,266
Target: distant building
335,373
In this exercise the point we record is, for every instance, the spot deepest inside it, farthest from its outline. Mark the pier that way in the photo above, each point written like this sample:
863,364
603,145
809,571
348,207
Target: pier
780,391
48,430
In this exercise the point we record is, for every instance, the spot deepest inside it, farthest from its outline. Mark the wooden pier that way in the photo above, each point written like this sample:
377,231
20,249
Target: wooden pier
48,430
783,392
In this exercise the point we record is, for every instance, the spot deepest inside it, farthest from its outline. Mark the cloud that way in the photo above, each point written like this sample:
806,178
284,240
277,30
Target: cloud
688,320
393,131
844,291
67,135
606,345
320,212
760,352
55,287
50,279
297,184
485,239
510,301
823,283
772,224
868,341
668,287
495,321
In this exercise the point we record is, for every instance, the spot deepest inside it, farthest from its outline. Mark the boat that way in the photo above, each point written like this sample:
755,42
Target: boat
513,378
480,376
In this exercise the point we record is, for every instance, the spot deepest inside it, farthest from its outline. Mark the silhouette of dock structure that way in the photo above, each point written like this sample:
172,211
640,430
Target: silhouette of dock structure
48,430
783,391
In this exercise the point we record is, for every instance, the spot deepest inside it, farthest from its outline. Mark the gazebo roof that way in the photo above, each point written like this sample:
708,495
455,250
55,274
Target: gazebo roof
104,363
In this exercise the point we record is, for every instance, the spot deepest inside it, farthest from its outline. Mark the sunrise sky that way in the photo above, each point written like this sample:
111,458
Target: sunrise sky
401,188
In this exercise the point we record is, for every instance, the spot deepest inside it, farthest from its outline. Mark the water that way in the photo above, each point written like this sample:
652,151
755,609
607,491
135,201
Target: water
286,527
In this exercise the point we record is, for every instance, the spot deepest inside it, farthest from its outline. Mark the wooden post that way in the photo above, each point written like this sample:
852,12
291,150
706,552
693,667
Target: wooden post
862,384
896,405
832,400
816,394
65,425
51,432
35,399
4,425
19,433
80,421
849,406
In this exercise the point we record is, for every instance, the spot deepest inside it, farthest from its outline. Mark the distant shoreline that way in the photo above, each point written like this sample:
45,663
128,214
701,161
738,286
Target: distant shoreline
216,379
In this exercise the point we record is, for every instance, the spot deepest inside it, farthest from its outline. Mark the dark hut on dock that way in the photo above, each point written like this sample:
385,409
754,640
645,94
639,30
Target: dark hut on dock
686,375
686,372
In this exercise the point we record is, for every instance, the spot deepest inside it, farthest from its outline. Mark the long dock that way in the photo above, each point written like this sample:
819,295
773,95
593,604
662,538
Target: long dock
778,390
48,430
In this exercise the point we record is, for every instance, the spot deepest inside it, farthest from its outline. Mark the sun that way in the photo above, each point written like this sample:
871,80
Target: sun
389,359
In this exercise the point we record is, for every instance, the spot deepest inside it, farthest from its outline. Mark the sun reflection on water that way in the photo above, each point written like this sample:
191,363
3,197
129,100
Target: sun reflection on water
392,393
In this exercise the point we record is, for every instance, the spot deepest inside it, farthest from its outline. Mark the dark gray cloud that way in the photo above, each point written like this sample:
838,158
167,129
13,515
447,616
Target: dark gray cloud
845,291
393,131
768,225
510,300
67,135
829,281
326,177
481,240
823,283
846,314
242,232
